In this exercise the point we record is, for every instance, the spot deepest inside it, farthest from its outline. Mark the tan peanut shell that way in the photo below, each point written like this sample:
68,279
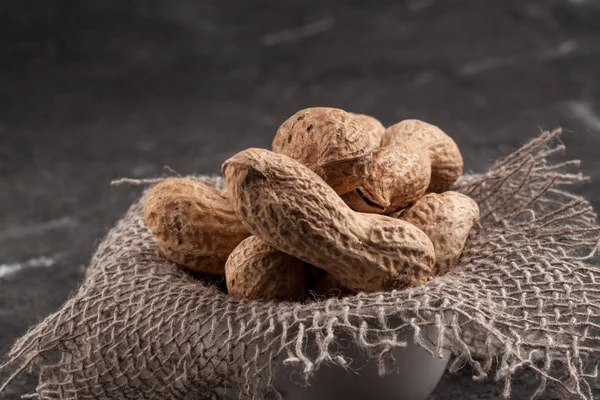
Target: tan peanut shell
193,224
330,142
447,218
256,270
399,176
372,126
293,209
446,160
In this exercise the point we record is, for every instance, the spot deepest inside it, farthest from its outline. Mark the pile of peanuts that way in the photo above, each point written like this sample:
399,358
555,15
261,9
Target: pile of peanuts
340,205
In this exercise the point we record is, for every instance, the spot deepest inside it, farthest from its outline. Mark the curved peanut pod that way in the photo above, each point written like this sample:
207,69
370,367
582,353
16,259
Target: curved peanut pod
446,160
256,270
447,219
193,224
399,177
293,209
330,142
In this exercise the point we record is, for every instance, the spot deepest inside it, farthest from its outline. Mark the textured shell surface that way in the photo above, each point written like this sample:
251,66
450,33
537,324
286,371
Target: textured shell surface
447,218
330,142
293,209
256,270
193,225
445,157
399,176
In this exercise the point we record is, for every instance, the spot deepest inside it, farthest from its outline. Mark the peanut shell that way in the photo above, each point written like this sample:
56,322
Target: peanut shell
330,142
399,177
193,225
256,270
293,209
447,218
446,160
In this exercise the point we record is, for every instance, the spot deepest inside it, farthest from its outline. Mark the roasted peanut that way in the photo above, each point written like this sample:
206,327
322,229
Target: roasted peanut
330,142
293,209
256,270
445,158
193,224
447,218
399,177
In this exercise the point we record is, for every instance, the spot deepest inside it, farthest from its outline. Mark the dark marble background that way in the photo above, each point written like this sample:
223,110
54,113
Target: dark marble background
95,90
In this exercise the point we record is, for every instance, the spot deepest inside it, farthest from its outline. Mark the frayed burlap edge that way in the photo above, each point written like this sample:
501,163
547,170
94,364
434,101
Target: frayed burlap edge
526,296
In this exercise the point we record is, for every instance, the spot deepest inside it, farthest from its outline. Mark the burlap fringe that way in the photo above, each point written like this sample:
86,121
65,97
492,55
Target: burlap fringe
526,296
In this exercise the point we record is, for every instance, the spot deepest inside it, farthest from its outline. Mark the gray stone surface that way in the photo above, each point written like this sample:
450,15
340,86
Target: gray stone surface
95,90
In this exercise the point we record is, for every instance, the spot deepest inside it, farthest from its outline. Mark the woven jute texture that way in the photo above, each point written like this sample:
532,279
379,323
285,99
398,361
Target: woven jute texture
525,296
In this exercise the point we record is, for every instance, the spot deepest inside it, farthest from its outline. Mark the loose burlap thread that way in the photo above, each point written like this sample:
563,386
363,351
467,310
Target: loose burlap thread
526,295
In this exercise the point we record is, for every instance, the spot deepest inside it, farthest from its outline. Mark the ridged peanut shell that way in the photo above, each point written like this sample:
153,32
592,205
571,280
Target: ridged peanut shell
255,270
330,142
193,225
399,177
446,160
372,127
293,209
447,218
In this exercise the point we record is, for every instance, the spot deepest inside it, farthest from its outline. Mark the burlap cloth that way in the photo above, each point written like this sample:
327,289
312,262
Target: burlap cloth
526,295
